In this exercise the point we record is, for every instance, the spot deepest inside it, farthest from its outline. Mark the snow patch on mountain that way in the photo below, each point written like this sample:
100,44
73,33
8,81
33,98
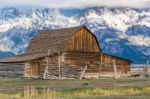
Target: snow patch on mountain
22,22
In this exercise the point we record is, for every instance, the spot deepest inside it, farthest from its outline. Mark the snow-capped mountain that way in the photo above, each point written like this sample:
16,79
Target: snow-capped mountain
123,32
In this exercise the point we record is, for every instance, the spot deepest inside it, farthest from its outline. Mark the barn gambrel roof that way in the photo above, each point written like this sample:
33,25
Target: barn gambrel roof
54,39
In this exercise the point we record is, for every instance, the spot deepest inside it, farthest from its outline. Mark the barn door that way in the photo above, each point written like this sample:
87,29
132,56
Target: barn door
35,69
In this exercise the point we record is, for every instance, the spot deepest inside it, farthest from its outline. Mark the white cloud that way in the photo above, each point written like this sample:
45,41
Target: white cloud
74,3
4,48
138,40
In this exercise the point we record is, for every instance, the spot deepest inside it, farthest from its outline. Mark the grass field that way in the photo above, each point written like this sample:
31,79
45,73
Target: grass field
104,88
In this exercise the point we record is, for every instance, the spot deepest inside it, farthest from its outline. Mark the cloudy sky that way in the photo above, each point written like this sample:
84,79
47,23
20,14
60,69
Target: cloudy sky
74,3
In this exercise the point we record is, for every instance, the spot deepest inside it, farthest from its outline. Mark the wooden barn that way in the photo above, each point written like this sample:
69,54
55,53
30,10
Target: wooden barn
68,53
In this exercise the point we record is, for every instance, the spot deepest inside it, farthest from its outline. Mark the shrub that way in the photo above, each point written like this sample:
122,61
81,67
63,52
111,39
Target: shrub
146,75
85,84
135,75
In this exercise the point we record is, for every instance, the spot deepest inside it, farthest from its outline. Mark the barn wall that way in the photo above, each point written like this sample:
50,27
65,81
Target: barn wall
32,68
93,60
11,69
82,41
123,66
77,61
82,59
36,67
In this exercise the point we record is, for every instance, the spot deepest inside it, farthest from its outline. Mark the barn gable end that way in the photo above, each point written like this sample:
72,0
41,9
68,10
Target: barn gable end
82,41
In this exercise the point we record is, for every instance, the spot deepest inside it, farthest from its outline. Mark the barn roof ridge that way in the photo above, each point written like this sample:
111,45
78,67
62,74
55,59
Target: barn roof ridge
80,26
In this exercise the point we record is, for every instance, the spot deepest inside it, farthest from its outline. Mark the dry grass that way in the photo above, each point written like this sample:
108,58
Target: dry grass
33,93
75,89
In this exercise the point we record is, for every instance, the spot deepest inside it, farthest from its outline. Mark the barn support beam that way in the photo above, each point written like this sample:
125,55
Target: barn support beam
145,70
115,69
101,63
148,66
59,64
46,71
46,68
83,72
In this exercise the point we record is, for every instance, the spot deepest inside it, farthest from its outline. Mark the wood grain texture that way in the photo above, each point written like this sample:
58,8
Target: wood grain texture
82,41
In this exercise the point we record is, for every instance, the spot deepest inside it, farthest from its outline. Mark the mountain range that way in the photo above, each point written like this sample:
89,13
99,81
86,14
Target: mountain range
121,31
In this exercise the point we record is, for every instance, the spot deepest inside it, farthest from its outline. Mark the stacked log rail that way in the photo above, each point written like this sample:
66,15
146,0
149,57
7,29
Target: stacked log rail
66,70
